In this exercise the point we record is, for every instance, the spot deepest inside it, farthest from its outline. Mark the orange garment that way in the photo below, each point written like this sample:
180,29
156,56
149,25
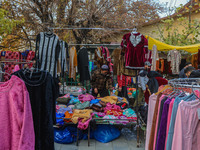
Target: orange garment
194,61
68,115
160,65
72,62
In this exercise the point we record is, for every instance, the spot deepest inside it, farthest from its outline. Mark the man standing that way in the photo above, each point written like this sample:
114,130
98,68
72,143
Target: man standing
101,82
142,82
182,72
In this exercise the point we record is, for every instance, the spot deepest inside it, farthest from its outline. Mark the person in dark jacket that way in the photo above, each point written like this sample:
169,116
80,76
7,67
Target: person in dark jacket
153,83
182,73
195,74
101,82
189,70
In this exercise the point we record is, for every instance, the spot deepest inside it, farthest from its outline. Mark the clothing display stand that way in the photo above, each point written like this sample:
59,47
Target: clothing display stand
137,110
16,62
137,71
185,83
136,100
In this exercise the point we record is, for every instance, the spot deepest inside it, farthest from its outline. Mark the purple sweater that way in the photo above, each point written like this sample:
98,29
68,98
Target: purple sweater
163,126
16,122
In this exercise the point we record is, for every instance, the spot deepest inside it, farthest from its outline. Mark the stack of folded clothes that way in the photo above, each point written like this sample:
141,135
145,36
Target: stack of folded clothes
80,110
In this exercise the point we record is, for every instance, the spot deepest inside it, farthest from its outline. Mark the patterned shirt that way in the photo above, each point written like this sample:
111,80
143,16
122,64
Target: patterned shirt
174,57
101,81
47,52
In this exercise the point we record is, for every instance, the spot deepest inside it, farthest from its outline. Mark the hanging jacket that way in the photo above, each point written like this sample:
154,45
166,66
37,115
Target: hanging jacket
153,83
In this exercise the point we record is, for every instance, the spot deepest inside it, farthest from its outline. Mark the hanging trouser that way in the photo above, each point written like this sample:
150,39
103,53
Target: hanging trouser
139,98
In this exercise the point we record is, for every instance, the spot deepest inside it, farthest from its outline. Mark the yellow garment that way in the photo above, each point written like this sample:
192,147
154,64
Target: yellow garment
109,99
84,114
165,47
72,62
163,89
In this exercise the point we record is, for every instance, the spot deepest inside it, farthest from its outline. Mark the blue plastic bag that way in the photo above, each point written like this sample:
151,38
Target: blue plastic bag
73,131
63,136
67,135
106,133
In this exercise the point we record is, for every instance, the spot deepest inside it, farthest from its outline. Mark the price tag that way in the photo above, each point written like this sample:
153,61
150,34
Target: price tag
198,111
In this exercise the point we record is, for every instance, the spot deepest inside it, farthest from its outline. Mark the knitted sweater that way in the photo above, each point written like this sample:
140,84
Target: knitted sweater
16,127
43,91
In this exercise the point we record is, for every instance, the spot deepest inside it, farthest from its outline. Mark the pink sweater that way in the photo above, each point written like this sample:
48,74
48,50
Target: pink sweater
16,122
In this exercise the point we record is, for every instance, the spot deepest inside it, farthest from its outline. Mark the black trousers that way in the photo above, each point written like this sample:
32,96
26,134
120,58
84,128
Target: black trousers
102,92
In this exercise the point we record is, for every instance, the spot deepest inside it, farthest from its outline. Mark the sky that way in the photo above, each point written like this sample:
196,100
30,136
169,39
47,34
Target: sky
172,3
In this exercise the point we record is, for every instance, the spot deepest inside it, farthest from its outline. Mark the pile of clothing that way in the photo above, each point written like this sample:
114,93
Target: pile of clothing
80,110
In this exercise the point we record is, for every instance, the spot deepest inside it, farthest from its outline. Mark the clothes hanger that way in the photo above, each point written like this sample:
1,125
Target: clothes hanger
164,89
49,31
194,92
173,91
31,70
183,92
134,30
177,92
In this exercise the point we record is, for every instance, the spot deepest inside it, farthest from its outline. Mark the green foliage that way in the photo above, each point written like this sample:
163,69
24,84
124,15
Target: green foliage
7,24
185,33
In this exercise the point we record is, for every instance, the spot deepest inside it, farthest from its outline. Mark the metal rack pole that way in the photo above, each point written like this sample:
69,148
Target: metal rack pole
137,111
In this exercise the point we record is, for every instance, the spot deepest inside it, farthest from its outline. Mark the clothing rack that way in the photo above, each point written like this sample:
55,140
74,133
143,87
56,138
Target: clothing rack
185,82
193,83
94,44
16,62
75,28
137,109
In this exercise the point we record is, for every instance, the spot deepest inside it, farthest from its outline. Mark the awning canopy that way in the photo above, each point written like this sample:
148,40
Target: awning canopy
165,47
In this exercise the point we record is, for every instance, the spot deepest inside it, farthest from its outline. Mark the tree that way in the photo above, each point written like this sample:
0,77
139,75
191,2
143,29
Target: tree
187,36
187,31
6,24
39,15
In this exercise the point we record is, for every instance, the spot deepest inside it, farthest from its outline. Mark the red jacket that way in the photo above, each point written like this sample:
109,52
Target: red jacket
161,81
121,80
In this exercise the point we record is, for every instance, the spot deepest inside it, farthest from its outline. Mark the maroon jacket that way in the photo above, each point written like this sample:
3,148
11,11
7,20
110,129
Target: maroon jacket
136,46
